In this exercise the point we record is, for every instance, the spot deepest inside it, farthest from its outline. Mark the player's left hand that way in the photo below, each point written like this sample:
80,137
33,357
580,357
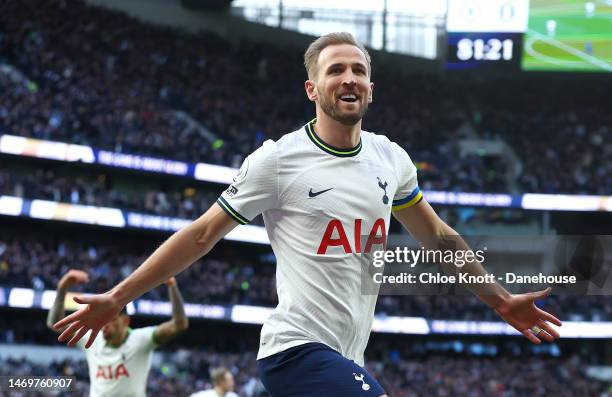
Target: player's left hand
171,281
521,312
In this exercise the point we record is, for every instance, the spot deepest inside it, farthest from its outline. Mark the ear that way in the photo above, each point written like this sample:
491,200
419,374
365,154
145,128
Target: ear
311,90
371,92
127,321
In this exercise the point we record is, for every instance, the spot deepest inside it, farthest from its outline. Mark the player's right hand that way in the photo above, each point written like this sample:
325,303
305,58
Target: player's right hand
100,310
73,276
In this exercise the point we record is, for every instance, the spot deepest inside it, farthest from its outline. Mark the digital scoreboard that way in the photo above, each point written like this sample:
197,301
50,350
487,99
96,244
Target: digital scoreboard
479,50
536,35
485,33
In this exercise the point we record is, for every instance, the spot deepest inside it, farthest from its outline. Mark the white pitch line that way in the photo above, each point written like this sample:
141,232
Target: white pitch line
538,55
545,58
588,58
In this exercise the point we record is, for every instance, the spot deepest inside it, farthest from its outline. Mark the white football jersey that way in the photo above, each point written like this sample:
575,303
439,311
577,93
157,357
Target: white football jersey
324,208
120,371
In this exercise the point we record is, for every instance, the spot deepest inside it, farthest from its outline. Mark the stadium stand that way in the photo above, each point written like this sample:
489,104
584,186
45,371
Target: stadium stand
172,197
107,98
412,368
115,83
98,188
434,376
38,262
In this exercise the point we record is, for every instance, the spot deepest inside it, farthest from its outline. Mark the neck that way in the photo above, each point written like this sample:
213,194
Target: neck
335,133
118,341
219,391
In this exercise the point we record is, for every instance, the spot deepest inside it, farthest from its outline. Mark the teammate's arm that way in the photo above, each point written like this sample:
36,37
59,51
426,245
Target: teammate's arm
179,322
518,310
174,255
56,312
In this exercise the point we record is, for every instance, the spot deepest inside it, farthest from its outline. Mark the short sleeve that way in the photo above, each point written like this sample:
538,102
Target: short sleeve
255,187
408,192
145,337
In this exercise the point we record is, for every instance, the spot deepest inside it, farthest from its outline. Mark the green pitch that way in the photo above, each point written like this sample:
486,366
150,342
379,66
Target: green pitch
569,35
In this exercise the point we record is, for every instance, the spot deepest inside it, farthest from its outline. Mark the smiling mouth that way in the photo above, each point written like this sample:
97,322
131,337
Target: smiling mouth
349,98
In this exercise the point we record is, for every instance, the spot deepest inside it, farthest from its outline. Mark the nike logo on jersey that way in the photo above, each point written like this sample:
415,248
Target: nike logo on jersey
315,194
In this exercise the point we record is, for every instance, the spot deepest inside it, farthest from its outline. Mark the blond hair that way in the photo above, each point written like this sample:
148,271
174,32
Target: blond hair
311,56
218,375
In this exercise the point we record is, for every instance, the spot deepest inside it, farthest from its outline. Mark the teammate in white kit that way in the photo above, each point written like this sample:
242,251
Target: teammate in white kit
320,189
119,362
223,385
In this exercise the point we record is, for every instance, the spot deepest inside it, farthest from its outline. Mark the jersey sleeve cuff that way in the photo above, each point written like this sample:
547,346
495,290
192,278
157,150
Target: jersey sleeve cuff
231,211
413,198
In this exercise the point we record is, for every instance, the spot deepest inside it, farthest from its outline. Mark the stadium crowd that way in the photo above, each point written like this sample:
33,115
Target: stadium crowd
180,374
176,197
173,199
186,371
118,84
38,263
115,83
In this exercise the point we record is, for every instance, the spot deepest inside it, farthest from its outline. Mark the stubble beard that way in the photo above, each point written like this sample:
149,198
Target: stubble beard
350,119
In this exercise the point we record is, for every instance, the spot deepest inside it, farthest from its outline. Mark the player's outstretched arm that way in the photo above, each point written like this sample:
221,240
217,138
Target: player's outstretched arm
179,322
56,312
174,255
519,311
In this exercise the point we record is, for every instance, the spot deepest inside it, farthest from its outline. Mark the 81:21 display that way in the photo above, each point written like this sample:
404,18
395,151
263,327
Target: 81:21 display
481,50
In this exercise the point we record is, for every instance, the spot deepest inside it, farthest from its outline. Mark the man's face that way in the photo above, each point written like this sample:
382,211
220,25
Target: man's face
228,382
342,86
116,327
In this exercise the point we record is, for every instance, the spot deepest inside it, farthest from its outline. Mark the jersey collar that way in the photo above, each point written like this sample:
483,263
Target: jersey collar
310,131
120,344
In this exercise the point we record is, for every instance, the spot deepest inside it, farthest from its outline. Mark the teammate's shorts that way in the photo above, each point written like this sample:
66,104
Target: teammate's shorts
315,370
